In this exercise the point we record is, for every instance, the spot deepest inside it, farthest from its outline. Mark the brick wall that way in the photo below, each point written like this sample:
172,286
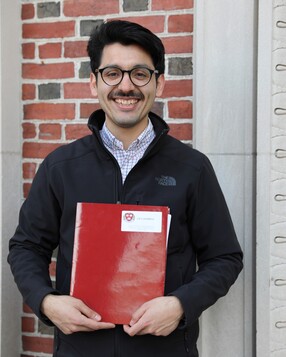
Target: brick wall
55,87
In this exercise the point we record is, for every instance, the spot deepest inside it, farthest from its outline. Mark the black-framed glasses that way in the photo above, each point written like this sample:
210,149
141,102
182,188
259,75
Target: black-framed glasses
139,76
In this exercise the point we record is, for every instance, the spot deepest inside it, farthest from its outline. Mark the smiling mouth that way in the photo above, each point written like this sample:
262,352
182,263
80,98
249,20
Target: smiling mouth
126,101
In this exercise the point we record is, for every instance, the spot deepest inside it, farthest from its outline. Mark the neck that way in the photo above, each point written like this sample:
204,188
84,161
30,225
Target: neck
127,134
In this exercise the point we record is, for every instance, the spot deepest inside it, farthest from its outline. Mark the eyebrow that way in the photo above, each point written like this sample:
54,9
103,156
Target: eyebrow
136,66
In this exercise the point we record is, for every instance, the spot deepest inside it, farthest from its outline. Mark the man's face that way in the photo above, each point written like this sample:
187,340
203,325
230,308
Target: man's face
126,105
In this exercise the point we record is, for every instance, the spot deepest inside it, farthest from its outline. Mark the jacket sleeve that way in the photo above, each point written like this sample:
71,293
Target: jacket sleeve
218,253
31,247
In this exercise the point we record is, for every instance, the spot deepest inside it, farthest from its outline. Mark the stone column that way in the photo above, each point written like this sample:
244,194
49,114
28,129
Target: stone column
10,170
225,98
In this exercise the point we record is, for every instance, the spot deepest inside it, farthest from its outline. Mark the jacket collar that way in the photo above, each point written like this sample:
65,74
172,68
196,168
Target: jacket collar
97,118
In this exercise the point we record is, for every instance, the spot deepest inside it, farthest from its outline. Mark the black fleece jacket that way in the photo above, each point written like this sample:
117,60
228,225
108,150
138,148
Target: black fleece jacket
203,256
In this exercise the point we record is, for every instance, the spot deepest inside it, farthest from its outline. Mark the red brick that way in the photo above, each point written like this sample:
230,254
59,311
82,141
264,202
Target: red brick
28,324
28,50
87,108
50,50
178,88
75,8
28,11
48,71
76,131
74,49
27,309
29,170
178,44
28,91
50,131
37,150
49,30
180,109
172,4
153,23
37,344
77,90
52,268
29,131
49,111
181,131
181,23
26,189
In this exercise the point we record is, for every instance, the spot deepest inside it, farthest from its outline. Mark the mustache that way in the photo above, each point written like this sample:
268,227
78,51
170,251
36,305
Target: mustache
130,94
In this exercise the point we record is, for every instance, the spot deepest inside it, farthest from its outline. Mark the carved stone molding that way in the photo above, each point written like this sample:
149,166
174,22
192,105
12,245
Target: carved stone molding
278,184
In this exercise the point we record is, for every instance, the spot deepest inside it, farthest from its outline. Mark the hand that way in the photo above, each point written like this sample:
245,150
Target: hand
158,317
71,315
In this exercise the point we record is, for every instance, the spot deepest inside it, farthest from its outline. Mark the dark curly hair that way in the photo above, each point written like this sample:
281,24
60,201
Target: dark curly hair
125,33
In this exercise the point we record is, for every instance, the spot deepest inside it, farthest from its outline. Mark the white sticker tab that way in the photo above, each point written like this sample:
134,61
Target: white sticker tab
141,221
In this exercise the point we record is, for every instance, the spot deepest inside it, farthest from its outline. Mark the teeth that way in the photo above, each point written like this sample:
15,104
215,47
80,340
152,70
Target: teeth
126,101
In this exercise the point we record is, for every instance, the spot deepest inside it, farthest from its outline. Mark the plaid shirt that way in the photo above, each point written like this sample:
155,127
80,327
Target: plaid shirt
127,159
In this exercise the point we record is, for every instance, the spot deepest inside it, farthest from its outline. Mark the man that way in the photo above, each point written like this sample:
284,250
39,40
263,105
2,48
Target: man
129,158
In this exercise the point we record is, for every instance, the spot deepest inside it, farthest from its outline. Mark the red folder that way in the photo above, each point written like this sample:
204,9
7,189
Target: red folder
119,258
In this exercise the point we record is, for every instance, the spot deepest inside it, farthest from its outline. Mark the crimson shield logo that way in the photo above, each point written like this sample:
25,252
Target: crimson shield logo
129,216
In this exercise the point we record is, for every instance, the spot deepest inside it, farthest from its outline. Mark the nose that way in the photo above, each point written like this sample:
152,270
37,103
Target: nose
126,83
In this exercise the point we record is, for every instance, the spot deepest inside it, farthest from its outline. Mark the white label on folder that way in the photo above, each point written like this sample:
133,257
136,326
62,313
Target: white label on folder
141,221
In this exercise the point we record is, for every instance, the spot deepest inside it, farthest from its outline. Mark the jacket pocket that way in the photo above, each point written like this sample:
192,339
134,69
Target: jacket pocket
187,343
178,344
190,344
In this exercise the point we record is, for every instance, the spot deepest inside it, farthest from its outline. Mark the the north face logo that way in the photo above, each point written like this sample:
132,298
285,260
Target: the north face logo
166,181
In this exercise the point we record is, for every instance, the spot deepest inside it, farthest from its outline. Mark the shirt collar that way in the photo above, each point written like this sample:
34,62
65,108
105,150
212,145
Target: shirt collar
112,142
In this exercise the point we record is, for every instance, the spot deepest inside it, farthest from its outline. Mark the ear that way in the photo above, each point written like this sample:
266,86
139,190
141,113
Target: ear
93,84
160,85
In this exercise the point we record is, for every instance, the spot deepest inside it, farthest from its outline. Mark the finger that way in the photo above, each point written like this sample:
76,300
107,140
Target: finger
126,329
100,326
131,331
137,315
85,326
135,329
90,323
